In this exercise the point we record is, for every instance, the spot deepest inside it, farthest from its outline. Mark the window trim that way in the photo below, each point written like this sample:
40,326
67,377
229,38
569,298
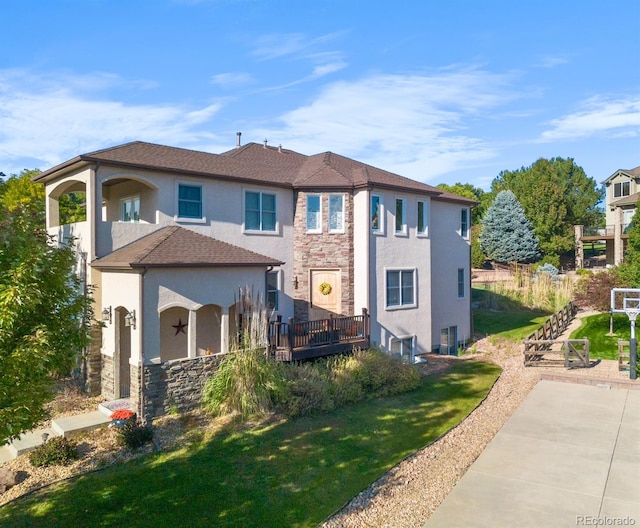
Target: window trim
277,290
260,230
401,306
342,212
125,199
464,223
400,200
196,220
380,229
317,230
425,214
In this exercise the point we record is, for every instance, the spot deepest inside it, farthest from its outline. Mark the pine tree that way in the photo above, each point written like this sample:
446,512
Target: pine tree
507,235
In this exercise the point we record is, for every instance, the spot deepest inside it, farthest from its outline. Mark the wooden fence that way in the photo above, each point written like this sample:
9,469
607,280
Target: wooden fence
555,325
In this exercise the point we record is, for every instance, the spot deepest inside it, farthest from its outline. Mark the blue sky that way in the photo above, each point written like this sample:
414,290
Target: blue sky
440,91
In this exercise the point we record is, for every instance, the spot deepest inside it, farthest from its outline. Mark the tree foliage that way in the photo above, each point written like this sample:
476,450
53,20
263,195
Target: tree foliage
594,289
507,235
474,193
555,194
43,311
629,270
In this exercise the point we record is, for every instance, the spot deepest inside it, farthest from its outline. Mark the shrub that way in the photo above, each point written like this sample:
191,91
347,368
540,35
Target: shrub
133,435
58,451
308,390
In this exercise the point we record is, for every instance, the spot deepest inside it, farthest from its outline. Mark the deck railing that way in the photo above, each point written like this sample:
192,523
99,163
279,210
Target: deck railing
298,336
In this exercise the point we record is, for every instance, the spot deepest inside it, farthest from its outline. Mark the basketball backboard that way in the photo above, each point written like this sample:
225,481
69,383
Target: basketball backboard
624,300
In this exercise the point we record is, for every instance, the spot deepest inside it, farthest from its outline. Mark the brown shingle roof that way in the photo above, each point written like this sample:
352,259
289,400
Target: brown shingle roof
258,164
627,200
632,173
176,246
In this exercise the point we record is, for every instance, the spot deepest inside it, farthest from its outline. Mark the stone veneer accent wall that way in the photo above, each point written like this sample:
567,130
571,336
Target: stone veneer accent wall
107,378
322,250
176,384
94,361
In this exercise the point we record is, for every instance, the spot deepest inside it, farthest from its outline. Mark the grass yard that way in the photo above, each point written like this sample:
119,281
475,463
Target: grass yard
596,327
294,473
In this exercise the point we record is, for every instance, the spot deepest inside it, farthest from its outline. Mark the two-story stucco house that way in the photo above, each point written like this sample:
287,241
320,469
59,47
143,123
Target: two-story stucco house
621,199
171,235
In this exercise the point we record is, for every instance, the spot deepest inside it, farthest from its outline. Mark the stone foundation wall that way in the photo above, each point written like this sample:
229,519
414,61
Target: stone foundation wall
175,384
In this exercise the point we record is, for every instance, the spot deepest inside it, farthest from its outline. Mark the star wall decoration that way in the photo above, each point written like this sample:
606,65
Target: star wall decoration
180,327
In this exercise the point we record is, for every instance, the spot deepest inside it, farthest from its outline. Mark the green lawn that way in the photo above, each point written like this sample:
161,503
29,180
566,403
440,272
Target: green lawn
515,325
295,473
596,327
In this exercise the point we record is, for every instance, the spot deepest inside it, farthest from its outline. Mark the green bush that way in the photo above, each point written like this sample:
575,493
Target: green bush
307,390
133,435
58,451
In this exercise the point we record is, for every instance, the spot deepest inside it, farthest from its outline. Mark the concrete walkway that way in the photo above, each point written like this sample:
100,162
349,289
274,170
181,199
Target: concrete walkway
569,456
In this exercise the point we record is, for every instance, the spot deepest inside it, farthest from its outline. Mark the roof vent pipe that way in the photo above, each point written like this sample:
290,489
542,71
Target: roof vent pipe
265,143
238,142
279,148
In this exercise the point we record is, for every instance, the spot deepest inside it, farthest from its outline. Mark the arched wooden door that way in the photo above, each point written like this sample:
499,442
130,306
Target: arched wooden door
326,294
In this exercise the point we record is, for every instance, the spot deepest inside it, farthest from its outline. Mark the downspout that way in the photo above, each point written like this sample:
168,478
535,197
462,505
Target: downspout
141,342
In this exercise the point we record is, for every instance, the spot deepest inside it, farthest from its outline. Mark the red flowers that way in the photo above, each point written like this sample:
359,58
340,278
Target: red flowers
122,414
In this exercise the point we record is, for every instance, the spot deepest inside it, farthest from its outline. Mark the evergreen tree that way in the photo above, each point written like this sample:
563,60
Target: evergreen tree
507,235
629,270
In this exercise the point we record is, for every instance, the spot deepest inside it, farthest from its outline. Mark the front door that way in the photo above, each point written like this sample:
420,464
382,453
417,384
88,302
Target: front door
326,293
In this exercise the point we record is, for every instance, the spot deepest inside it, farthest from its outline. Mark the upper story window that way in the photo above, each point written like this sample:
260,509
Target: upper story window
377,224
401,216
314,213
336,213
423,218
401,289
130,209
273,290
189,201
464,223
259,211
621,189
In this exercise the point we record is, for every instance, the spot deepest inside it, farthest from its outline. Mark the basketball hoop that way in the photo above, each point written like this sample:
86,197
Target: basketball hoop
632,314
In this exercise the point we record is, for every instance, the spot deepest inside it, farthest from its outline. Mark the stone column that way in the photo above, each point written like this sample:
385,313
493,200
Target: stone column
618,247
579,233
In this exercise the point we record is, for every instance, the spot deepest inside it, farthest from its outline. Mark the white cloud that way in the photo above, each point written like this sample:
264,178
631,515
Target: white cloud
47,120
274,46
231,80
412,124
598,116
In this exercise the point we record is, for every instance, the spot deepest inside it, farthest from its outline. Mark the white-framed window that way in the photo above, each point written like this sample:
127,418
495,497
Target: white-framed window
402,348
400,288
621,189
260,212
314,213
190,201
401,216
336,213
377,214
461,283
273,290
464,223
423,218
130,209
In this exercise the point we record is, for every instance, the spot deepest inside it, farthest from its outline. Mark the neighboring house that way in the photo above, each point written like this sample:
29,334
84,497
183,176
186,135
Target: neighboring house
622,193
171,235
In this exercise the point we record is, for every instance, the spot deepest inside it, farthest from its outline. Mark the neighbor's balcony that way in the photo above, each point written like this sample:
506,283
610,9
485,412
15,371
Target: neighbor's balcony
603,232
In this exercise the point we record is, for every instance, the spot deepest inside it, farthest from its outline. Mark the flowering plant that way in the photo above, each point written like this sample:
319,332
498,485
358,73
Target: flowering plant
122,414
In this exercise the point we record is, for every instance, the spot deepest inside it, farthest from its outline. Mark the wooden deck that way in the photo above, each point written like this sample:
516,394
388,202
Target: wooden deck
296,340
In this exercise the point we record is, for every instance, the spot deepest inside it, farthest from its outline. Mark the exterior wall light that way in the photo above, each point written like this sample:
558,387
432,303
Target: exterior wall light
130,319
106,315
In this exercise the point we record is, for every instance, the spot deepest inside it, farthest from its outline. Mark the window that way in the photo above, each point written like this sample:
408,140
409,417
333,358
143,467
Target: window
401,216
376,214
449,341
423,218
461,285
336,213
400,288
621,189
130,209
273,287
259,211
464,223
402,348
189,201
314,213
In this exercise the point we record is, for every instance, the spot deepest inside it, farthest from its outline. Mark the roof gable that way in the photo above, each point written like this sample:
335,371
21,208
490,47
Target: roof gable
175,246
